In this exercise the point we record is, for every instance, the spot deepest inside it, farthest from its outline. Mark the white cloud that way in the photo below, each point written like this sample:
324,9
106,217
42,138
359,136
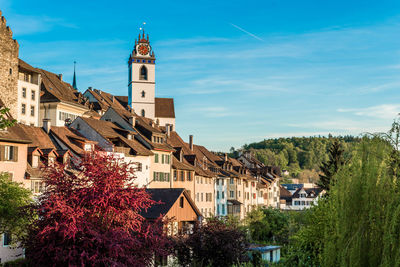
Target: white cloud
384,111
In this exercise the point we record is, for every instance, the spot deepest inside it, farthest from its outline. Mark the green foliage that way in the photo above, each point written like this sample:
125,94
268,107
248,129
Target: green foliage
13,199
5,120
17,263
331,167
268,226
298,153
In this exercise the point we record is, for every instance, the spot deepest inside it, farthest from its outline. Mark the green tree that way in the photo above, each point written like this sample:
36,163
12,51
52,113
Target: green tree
331,167
13,199
5,118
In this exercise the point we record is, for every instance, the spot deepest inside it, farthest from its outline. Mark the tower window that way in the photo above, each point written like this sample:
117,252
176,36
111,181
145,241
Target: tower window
143,73
143,93
143,113
10,71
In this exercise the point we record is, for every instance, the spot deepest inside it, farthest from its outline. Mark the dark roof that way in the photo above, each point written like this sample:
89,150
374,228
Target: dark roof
291,187
234,202
164,108
284,193
22,64
123,100
316,191
167,197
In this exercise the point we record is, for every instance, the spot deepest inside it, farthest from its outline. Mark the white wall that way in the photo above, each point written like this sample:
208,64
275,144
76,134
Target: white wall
27,118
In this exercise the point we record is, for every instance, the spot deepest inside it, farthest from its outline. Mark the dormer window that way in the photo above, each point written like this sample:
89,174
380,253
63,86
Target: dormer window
143,73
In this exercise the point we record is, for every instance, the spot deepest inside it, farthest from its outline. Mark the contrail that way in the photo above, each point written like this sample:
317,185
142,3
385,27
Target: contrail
248,33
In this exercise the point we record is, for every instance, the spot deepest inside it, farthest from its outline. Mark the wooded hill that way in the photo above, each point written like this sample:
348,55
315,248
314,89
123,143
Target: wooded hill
297,154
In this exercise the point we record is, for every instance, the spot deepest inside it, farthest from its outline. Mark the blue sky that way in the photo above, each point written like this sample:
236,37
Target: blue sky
240,71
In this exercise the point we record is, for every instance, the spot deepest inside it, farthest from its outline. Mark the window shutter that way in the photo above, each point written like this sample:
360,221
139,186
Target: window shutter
15,158
2,153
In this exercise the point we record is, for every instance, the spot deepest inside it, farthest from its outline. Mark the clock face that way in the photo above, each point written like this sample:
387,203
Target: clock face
143,49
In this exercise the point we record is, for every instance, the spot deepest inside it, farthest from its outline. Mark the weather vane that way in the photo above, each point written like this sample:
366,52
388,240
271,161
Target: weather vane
142,28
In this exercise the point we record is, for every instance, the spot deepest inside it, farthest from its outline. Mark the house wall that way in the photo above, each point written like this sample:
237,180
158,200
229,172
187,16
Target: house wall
7,253
221,208
142,177
160,168
164,121
188,185
27,118
203,186
185,214
52,112
17,168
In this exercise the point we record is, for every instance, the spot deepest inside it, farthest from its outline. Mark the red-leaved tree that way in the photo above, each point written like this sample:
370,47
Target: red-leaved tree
91,217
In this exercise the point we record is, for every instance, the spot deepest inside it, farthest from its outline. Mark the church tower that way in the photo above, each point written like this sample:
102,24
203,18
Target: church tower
141,81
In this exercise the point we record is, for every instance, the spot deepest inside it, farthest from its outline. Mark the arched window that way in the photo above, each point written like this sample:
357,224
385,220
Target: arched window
143,73
143,93
143,113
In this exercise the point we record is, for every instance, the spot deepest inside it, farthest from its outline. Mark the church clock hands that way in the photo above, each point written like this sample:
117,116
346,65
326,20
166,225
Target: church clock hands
143,49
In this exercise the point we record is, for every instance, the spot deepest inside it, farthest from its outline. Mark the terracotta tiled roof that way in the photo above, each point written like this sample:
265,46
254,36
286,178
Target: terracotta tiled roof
38,136
22,64
105,100
71,138
109,131
164,108
14,134
176,164
123,100
56,90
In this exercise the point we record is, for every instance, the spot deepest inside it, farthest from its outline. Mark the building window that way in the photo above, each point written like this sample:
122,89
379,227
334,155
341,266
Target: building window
189,176
182,176
202,197
222,181
23,109
37,187
217,182
33,94
217,209
10,153
217,194
231,194
143,73
156,158
32,111
223,209
23,92
175,175
139,168
64,115
181,201
162,158
6,239
223,195
143,94
143,113
197,197
232,181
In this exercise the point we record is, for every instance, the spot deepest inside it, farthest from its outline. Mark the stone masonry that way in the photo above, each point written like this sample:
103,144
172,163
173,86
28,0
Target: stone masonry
9,50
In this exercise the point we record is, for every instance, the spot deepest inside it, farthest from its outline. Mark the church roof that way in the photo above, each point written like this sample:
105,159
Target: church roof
164,108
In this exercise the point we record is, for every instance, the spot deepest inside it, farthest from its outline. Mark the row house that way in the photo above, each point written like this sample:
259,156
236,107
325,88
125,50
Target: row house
201,184
304,197
267,180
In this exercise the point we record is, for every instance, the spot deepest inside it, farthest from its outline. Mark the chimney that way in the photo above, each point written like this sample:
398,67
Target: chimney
60,76
113,99
46,125
191,142
226,157
90,88
132,121
168,129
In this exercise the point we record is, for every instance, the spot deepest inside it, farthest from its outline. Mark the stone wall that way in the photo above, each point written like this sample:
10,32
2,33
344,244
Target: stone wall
9,49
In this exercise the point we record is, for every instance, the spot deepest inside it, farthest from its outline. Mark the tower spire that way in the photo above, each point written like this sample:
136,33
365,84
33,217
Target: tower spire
74,80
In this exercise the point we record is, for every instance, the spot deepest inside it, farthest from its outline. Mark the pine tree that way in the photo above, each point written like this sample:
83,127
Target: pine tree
331,167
